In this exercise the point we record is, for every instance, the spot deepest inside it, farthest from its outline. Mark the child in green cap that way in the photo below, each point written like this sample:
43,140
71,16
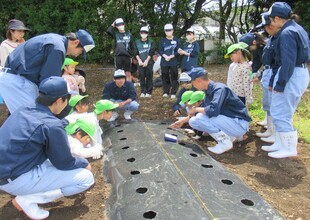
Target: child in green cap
196,99
186,85
80,138
103,111
79,104
239,74
68,70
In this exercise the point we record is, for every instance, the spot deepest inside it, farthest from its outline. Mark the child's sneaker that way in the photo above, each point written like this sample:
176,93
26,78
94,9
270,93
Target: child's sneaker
165,95
173,96
148,95
142,95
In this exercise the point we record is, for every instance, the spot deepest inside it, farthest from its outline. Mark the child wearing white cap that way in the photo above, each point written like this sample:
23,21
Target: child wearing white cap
122,92
168,49
189,51
124,46
145,52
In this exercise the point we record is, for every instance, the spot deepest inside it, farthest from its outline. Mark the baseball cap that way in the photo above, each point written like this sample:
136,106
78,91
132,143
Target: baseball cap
104,105
168,27
197,72
186,96
265,20
15,24
119,21
119,74
280,9
247,38
55,86
69,61
74,100
81,124
184,77
233,47
86,41
190,30
145,29
196,97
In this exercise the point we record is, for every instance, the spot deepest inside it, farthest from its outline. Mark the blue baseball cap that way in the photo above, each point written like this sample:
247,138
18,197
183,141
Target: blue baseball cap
247,38
197,72
280,9
265,20
86,41
55,87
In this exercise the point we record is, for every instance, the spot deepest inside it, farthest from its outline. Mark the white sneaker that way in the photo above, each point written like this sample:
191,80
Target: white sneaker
136,84
165,95
114,116
142,95
196,137
127,115
173,96
148,95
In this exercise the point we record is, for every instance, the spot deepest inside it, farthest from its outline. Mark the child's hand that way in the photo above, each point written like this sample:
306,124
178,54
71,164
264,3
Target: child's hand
176,113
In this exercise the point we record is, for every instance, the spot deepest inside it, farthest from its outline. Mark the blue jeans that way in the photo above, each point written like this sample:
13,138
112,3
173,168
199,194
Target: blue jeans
233,127
266,93
284,104
45,177
132,106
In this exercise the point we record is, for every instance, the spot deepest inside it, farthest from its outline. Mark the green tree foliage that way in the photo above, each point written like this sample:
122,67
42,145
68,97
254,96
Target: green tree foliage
45,16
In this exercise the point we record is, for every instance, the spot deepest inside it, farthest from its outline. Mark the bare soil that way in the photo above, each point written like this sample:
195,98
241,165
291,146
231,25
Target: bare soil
284,183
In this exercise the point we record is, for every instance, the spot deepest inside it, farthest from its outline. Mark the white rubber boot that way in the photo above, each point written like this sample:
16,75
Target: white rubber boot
271,138
264,122
127,115
289,142
223,143
269,130
29,203
275,146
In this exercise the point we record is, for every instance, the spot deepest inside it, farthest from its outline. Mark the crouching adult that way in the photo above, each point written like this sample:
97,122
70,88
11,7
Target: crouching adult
224,116
36,163
122,92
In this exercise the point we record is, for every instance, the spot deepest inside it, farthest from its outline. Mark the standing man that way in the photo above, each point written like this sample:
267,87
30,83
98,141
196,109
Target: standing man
35,60
122,92
168,49
36,163
145,52
124,48
224,116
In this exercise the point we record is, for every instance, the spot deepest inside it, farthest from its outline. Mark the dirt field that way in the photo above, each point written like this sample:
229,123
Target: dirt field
284,183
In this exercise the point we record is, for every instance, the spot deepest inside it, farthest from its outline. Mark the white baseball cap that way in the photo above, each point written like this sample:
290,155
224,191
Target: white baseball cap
190,30
144,29
119,21
168,27
119,73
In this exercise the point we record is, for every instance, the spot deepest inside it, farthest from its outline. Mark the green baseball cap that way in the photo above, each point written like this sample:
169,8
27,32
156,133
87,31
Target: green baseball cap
82,124
186,96
196,97
104,105
69,61
238,46
74,100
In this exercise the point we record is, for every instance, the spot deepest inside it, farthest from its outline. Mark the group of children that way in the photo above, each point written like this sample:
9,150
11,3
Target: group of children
143,50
